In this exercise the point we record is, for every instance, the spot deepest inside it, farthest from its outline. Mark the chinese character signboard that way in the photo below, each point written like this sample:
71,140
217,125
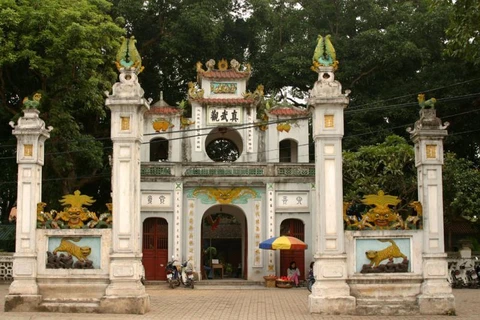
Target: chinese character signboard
224,115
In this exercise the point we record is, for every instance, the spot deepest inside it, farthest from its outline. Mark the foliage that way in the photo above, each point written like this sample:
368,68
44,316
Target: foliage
389,51
388,166
464,29
461,188
67,53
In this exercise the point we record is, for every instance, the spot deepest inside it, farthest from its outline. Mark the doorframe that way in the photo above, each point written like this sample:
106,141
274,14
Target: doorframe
238,212
155,217
280,219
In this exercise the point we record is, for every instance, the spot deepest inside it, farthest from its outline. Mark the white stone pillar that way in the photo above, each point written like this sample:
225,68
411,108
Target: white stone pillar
126,293
331,293
31,135
436,294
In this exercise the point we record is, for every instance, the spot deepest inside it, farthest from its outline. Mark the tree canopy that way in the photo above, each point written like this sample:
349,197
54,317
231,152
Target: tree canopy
389,51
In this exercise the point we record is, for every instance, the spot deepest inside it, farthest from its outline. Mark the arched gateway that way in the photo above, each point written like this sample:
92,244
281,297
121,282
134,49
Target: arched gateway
218,180
234,170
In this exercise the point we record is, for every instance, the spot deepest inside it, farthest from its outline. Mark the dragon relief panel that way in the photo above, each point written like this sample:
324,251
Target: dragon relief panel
381,212
223,195
74,215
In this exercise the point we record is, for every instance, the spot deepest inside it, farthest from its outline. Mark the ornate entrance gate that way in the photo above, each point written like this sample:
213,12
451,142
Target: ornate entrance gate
155,248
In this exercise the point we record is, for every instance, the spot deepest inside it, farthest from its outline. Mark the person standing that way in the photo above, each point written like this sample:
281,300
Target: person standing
293,273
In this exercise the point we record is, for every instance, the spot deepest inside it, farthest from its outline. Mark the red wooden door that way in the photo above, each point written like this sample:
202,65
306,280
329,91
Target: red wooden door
155,248
294,228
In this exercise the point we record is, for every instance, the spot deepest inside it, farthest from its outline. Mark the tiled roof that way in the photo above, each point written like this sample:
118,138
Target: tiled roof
164,110
224,74
161,107
225,101
287,111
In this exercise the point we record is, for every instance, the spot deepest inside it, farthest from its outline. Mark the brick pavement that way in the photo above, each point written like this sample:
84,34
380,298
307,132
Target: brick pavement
246,304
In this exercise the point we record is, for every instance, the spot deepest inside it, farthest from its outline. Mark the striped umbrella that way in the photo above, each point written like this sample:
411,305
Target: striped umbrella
283,243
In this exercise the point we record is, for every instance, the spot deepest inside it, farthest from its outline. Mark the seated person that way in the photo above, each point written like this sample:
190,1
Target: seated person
293,273
209,272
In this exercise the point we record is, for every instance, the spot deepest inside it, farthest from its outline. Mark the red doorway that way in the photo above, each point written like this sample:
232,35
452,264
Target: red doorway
155,248
294,228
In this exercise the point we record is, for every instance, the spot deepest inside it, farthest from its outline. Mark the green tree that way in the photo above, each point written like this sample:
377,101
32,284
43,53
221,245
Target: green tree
461,188
464,29
173,35
389,51
65,52
387,166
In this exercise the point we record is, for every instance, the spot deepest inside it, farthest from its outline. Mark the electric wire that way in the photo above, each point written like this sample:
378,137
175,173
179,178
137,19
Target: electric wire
246,126
349,109
414,94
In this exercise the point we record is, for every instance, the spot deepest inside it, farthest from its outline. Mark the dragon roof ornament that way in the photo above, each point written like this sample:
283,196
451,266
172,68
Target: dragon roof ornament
224,70
324,55
128,57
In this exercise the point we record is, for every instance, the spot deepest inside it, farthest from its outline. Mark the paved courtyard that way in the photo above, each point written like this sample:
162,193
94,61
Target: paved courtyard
259,303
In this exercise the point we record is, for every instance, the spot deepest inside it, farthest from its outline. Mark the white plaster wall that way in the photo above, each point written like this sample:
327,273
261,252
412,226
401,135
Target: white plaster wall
298,132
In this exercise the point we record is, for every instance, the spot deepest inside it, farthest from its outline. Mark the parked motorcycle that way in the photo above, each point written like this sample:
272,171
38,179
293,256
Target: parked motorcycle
463,274
454,277
187,274
477,267
472,278
173,275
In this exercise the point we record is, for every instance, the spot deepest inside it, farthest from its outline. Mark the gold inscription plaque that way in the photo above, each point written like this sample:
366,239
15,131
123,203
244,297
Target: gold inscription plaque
28,150
125,123
431,150
329,121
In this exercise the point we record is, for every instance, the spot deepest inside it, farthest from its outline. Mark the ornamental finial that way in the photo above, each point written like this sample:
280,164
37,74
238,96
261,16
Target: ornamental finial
128,57
324,54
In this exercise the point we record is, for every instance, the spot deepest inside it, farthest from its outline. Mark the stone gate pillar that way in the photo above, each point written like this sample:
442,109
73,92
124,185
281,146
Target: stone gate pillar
126,293
31,135
331,293
436,294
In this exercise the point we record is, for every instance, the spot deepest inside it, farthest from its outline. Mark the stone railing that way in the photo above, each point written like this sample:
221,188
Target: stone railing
203,169
6,266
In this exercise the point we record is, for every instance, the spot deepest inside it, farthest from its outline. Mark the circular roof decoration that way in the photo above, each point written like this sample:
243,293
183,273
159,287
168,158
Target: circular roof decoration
222,65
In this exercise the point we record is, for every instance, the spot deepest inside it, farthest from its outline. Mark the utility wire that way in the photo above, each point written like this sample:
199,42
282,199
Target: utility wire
246,126
349,109
414,94
271,150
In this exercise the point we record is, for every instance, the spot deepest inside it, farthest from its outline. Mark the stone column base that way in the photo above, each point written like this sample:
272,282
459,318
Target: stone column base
437,304
331,305
22,303
125,305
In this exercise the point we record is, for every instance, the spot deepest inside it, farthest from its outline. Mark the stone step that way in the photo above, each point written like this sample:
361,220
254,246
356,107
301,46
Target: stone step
387,306
218,284
71,305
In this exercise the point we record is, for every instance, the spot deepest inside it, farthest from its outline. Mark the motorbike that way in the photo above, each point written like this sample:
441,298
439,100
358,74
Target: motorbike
454,277
477,267
173,275
465,280
187,277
